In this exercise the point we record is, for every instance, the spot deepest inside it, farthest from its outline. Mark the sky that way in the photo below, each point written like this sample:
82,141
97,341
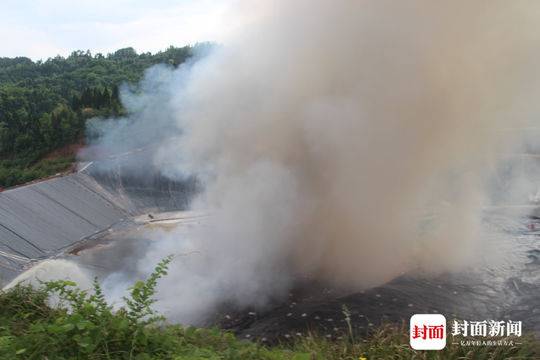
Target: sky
40,29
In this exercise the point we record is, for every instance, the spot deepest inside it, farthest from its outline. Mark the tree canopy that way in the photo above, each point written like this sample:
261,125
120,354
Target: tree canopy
44,104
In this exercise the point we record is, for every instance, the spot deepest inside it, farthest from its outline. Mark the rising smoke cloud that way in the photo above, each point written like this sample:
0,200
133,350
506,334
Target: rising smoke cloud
326,133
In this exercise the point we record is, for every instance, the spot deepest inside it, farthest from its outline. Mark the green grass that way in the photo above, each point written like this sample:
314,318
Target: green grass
21,171
90,329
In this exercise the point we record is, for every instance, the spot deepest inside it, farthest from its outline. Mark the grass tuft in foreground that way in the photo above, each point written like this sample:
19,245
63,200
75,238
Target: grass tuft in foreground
84,326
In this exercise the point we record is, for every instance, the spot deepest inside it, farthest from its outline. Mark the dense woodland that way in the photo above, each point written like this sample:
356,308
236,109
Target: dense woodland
44,104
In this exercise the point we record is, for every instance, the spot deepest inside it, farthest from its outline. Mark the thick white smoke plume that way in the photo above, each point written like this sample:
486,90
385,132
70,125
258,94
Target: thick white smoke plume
343,140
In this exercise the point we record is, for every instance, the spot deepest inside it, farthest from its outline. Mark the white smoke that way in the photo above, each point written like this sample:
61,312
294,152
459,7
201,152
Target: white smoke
327,132
52,270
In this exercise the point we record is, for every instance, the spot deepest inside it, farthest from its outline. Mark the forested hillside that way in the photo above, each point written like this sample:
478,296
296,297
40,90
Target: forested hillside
44,105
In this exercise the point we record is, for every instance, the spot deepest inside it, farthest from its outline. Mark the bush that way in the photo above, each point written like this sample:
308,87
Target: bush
21,171
84,326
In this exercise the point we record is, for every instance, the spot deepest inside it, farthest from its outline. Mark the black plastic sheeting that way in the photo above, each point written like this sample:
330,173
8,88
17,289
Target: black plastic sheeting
39,220
138,187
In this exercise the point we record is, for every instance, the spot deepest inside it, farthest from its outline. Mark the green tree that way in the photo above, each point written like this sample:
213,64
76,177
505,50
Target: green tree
44,104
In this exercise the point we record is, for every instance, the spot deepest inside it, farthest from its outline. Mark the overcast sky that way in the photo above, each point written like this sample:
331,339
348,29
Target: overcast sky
44,28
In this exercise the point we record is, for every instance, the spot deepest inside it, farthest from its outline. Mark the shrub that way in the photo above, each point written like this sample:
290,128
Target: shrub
84,326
